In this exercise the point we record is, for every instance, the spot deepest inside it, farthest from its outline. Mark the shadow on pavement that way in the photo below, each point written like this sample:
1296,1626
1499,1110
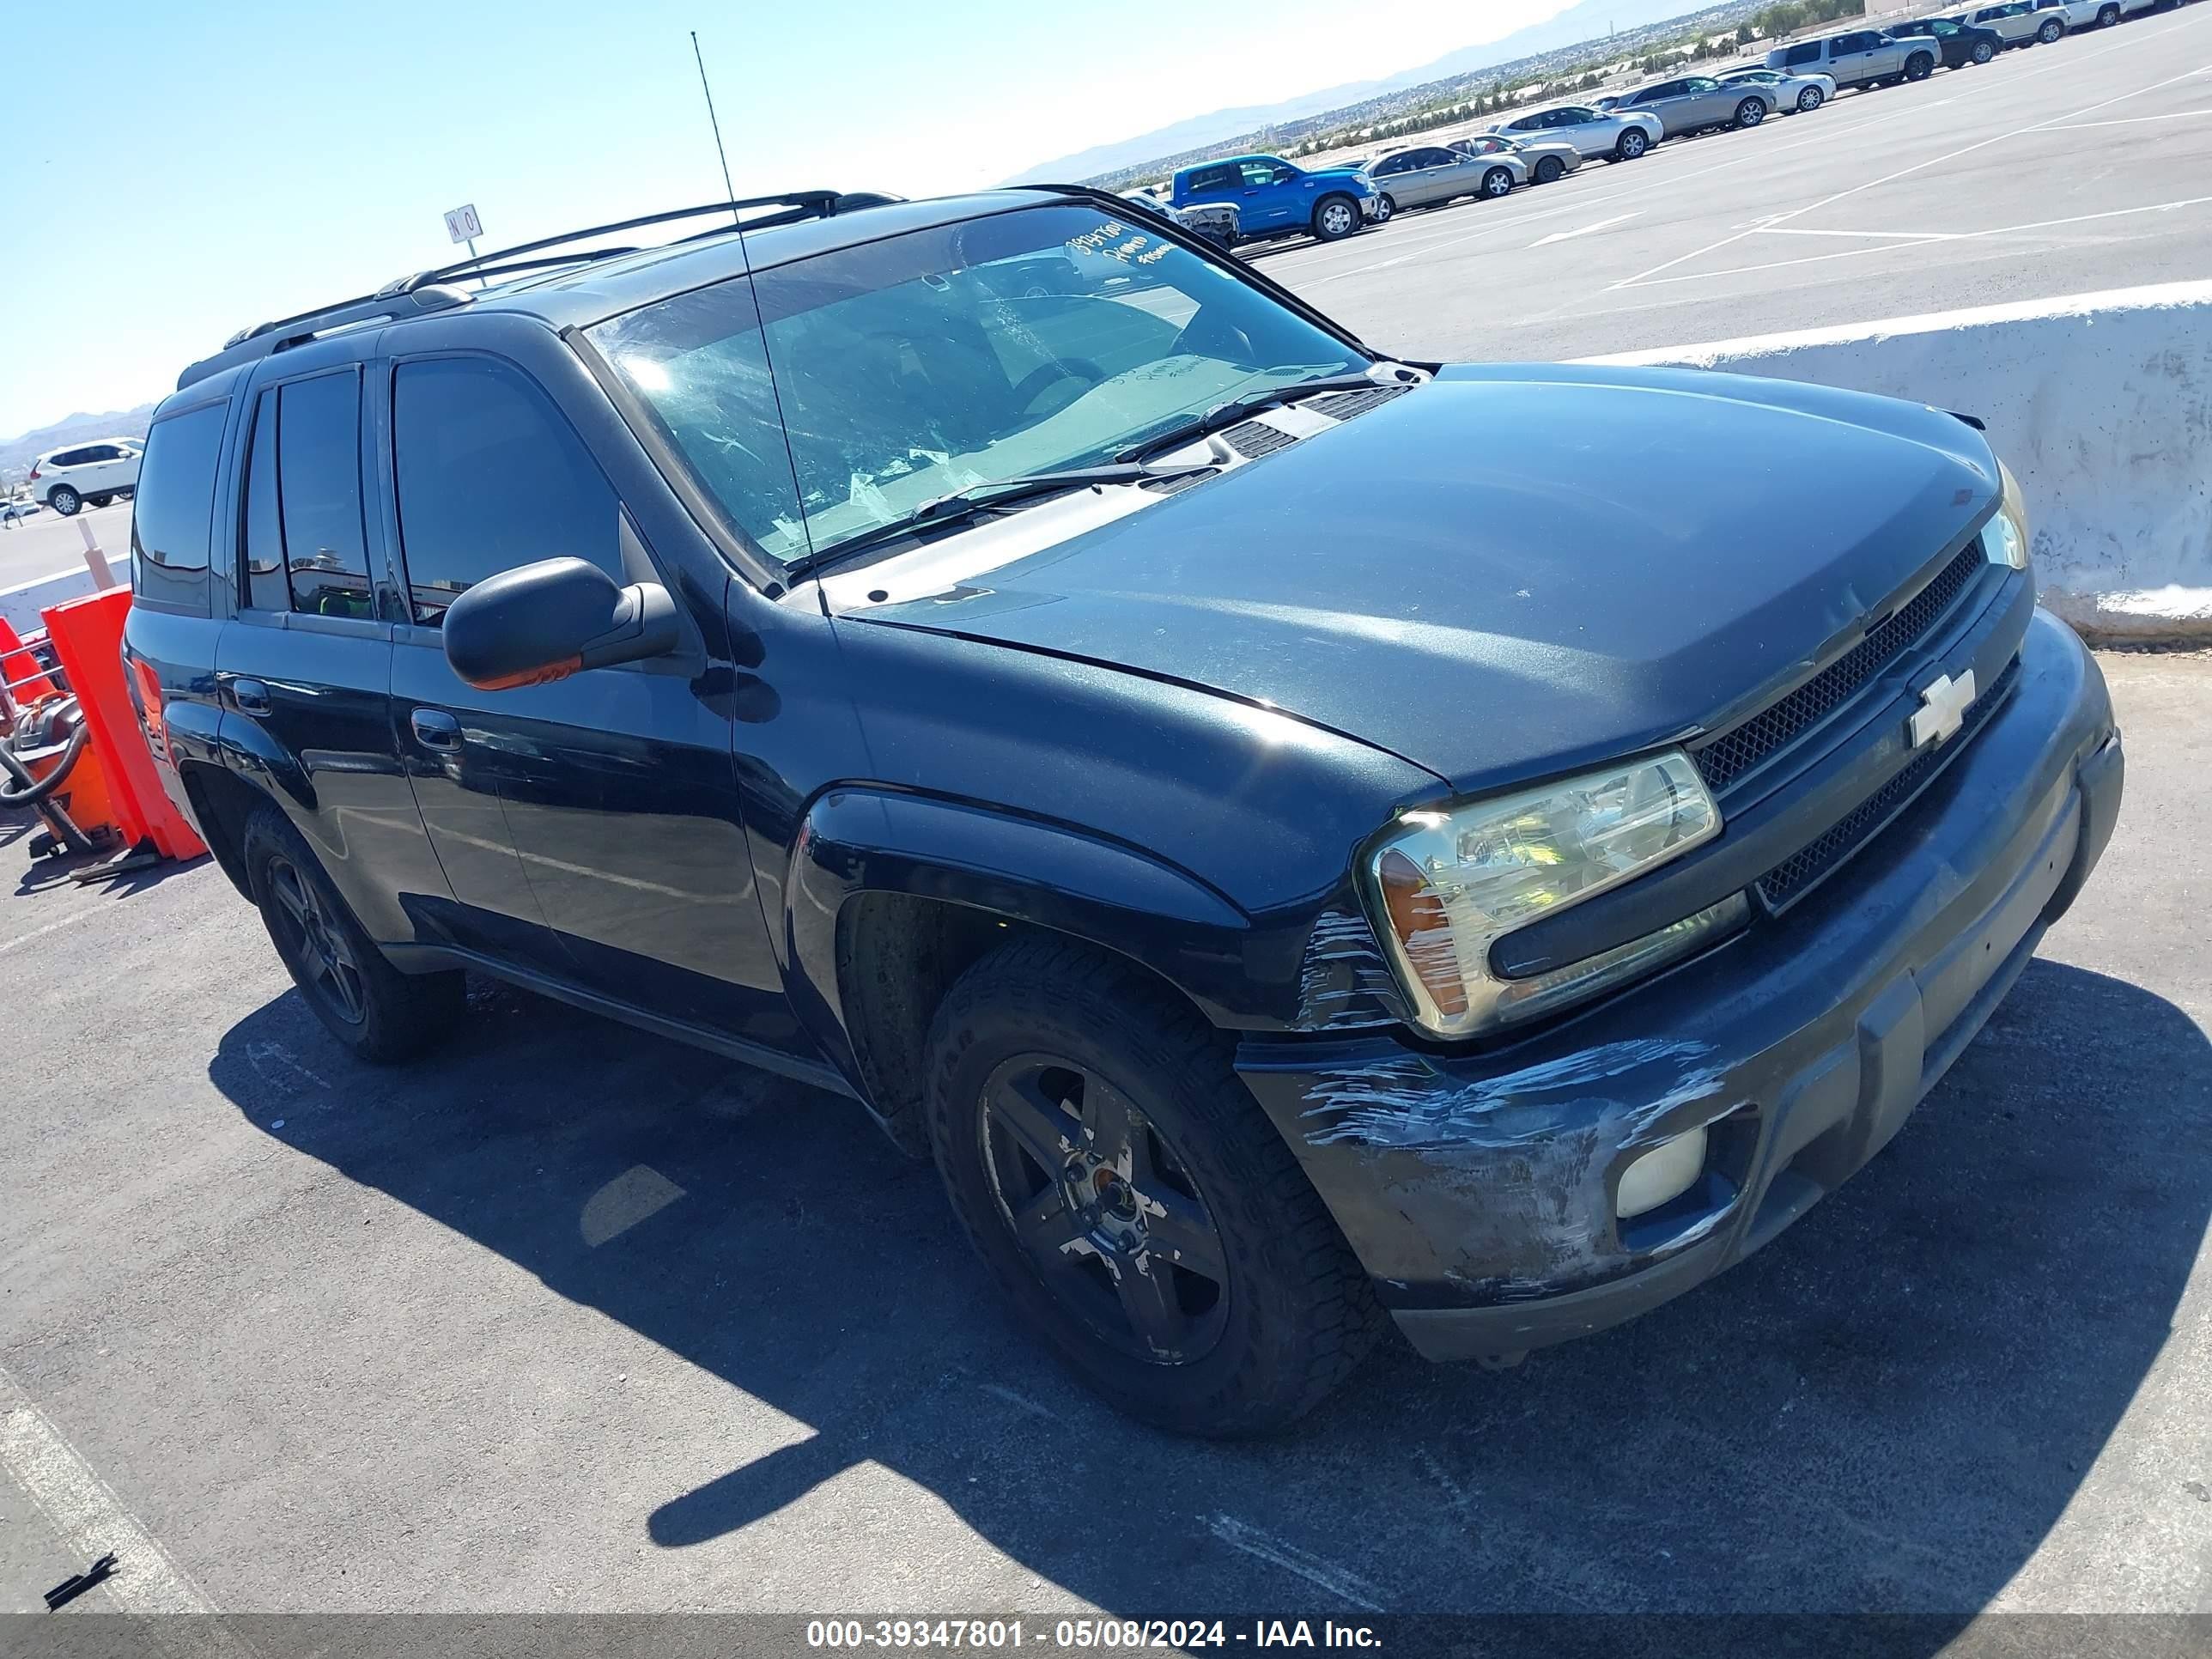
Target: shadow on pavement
1886,1409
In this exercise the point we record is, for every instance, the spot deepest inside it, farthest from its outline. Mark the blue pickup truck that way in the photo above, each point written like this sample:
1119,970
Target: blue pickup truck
1273,198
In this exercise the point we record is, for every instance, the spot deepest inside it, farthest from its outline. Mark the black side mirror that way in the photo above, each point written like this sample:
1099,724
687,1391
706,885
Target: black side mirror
545,621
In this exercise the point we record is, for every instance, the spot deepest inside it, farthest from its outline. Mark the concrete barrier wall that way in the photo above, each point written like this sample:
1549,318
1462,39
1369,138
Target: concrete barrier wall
20,605
2102,404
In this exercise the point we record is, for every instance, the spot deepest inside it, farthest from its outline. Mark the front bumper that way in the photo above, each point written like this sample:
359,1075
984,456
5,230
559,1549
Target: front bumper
1478,1190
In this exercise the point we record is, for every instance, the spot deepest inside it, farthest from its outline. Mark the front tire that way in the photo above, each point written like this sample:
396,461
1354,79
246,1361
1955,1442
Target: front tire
64,500
1810,99
377,1013
1334,218
1549,169
2107,15
1496,183
1984,53
1129,1195
1920,66
1750,112
2051,29
1630,144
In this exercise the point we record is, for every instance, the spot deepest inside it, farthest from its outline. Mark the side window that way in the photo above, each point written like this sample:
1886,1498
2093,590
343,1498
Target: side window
170,521
319,495
1258,173
1207,179
489,477
265,588
1807,53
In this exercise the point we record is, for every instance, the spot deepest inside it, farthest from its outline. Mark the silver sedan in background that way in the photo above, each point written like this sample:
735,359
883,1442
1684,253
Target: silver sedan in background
1429,175
1614,134
1547,158
1802,94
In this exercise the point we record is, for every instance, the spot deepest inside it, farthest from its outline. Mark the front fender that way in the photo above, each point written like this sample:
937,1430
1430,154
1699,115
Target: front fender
1310,965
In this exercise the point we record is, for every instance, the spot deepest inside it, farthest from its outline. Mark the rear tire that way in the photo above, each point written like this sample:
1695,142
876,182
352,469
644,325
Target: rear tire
1496,183
1334,218
1256,1311
1549,169
64,500
376,1013
99,501
1750,112
1386,208
1810,99
1630,144
2051,29
1920,66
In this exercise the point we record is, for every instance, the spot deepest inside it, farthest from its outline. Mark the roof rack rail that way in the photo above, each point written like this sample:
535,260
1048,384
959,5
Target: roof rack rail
433,291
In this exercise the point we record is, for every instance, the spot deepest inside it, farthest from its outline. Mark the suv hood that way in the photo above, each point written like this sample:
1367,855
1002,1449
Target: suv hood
1510,570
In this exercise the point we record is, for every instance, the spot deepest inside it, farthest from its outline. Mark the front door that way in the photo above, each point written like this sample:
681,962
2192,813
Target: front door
1267,202
589,826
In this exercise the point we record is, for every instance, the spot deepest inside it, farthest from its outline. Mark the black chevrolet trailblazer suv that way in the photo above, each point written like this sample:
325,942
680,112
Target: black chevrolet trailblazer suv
1296,867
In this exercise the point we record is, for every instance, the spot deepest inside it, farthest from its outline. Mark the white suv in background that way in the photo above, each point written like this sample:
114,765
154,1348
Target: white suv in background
65,479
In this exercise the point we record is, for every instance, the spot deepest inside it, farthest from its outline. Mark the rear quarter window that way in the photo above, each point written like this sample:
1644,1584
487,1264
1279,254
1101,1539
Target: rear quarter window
172,520
1807,53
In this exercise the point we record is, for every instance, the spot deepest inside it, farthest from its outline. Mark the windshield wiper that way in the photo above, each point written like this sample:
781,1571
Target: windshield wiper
1239,410
988,494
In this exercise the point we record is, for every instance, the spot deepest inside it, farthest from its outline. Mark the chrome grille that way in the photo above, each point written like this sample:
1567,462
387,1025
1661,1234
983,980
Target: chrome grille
1803,870
1727,757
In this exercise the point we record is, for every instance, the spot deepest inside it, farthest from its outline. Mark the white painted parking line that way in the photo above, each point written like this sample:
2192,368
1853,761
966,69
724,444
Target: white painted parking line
2128,120
1569,235
1918,239
89,1517
1645,277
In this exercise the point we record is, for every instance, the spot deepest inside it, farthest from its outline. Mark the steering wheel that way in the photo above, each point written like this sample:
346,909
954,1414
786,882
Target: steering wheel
1034,385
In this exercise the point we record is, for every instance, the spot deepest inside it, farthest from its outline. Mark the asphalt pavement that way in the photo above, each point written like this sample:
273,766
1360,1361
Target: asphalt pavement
47,545
2071,168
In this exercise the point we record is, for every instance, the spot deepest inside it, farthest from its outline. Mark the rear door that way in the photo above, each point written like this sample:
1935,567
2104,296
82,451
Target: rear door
304,671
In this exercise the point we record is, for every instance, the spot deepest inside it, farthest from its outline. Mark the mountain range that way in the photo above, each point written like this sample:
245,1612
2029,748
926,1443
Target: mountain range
1588,20
16,453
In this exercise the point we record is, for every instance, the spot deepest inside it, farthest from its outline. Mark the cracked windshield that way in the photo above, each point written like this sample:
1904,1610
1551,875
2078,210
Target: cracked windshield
933,361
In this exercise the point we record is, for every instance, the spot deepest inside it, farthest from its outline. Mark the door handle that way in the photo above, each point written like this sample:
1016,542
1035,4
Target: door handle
436,729
251,697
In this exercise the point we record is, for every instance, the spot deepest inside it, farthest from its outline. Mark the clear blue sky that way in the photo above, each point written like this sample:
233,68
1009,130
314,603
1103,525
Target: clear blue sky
200,166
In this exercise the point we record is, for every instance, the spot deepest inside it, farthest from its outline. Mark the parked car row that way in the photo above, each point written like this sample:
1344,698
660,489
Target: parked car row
1252,198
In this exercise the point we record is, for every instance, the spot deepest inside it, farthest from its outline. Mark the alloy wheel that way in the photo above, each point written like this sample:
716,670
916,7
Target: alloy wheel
1105,1210
315,940
1336,219
1809,99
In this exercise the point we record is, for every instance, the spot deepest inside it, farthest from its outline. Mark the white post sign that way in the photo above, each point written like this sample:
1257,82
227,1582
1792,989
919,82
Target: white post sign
462,223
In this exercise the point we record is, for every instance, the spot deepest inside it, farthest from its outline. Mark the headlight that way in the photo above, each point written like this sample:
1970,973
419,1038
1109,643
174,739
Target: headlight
2004,537
1445,885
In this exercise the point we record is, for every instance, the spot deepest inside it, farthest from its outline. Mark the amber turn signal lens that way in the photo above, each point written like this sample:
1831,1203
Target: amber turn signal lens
1417,916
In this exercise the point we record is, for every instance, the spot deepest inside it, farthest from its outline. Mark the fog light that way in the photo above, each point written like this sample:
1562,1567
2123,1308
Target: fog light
1662,1174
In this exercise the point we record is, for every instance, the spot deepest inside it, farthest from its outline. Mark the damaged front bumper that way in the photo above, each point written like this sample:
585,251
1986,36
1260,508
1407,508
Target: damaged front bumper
1479,1191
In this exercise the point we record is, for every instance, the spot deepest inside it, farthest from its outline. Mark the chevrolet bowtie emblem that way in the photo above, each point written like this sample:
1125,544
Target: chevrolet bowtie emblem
1942,708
